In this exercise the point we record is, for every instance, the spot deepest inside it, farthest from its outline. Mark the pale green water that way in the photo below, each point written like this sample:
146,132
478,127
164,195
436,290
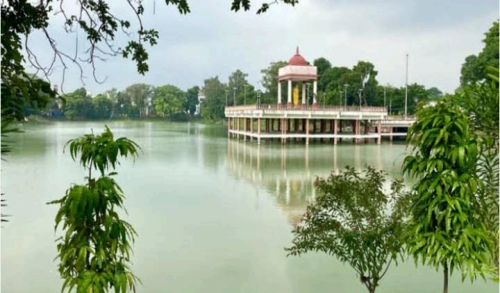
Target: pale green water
212,215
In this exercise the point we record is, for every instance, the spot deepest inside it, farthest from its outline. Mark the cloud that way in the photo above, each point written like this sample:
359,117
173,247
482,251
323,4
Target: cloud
213,40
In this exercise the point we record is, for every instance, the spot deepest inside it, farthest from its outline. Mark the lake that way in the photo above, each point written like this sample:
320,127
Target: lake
212,214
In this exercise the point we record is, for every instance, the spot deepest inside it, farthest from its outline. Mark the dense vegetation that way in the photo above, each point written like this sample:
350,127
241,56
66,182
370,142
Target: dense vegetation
452,210
168,101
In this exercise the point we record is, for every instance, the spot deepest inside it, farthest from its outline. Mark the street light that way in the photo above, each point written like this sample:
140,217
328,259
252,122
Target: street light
226,97
234,96
406,87
340,99
345,94
258,99
359,92
245,96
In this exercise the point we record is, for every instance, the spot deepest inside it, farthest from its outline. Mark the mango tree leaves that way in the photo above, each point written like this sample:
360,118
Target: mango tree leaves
445,230
96,244
356,221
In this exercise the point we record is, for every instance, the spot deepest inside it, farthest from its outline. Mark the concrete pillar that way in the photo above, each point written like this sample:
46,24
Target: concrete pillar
245,120
379,129
251,128
285,128
390,131
307,131
279,93
335,131
303,93
315,91
238,135
289,101
258,130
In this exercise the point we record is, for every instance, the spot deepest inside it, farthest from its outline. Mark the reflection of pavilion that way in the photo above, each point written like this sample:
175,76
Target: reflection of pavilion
288,172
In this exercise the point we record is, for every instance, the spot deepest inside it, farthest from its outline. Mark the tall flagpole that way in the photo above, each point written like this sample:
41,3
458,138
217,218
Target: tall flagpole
406,90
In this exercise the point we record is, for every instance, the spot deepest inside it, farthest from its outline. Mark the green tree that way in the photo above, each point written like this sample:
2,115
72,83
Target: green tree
270,82
140,94
239,89
78,104
474,68
481,102
212,107
356,221
434,93
102,107
322,64
445,230
95,249
191,100
168,100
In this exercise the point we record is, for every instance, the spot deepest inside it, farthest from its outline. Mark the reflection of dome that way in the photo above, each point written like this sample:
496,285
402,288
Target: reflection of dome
298,60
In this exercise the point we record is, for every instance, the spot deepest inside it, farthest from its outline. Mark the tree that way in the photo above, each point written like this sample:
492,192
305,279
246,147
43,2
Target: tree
140,95
322,64
78,104
355,221
434,93
191,100
445,230
270,81
474,68
168,100
212,107
481,103
237,82
95,249
102,107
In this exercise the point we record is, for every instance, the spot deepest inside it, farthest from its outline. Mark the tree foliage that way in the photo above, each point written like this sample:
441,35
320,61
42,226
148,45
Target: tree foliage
95,248
168,100
474,68
445,230
212,107
355,221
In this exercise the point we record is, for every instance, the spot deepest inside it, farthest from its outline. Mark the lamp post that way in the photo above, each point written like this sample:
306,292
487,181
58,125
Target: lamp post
384,97
406,88
258,99
359,93
234,96
345,94
340,98
245,96
226,97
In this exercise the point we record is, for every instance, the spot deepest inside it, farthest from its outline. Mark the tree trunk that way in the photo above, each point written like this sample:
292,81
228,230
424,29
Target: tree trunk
445,288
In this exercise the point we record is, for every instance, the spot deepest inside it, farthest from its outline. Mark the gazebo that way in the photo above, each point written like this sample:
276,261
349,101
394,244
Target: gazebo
298,72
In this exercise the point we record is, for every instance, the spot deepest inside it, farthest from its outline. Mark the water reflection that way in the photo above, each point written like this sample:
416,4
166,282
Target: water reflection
287,172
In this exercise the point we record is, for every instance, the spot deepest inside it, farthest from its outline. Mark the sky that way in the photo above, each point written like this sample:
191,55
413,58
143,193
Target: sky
213,41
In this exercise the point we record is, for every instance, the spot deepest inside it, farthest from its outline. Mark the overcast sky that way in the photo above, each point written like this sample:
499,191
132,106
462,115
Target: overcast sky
212,40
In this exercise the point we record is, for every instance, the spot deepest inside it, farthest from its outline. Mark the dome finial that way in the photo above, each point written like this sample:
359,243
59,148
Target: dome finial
297,51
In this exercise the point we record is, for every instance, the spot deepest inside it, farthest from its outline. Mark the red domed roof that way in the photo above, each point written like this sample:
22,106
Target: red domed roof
298,60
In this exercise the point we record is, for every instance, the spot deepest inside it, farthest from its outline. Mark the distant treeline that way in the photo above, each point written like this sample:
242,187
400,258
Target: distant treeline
336,85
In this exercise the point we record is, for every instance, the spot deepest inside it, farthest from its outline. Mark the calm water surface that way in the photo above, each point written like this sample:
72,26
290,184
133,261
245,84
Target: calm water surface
212,215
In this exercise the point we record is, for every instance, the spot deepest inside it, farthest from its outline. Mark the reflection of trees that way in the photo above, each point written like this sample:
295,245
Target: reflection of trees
288,172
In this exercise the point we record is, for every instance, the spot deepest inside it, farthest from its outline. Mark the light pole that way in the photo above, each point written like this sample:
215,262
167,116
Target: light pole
406,89
226,97
359,92
384,97
234,96
345,94
258,99
245,96
340,99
